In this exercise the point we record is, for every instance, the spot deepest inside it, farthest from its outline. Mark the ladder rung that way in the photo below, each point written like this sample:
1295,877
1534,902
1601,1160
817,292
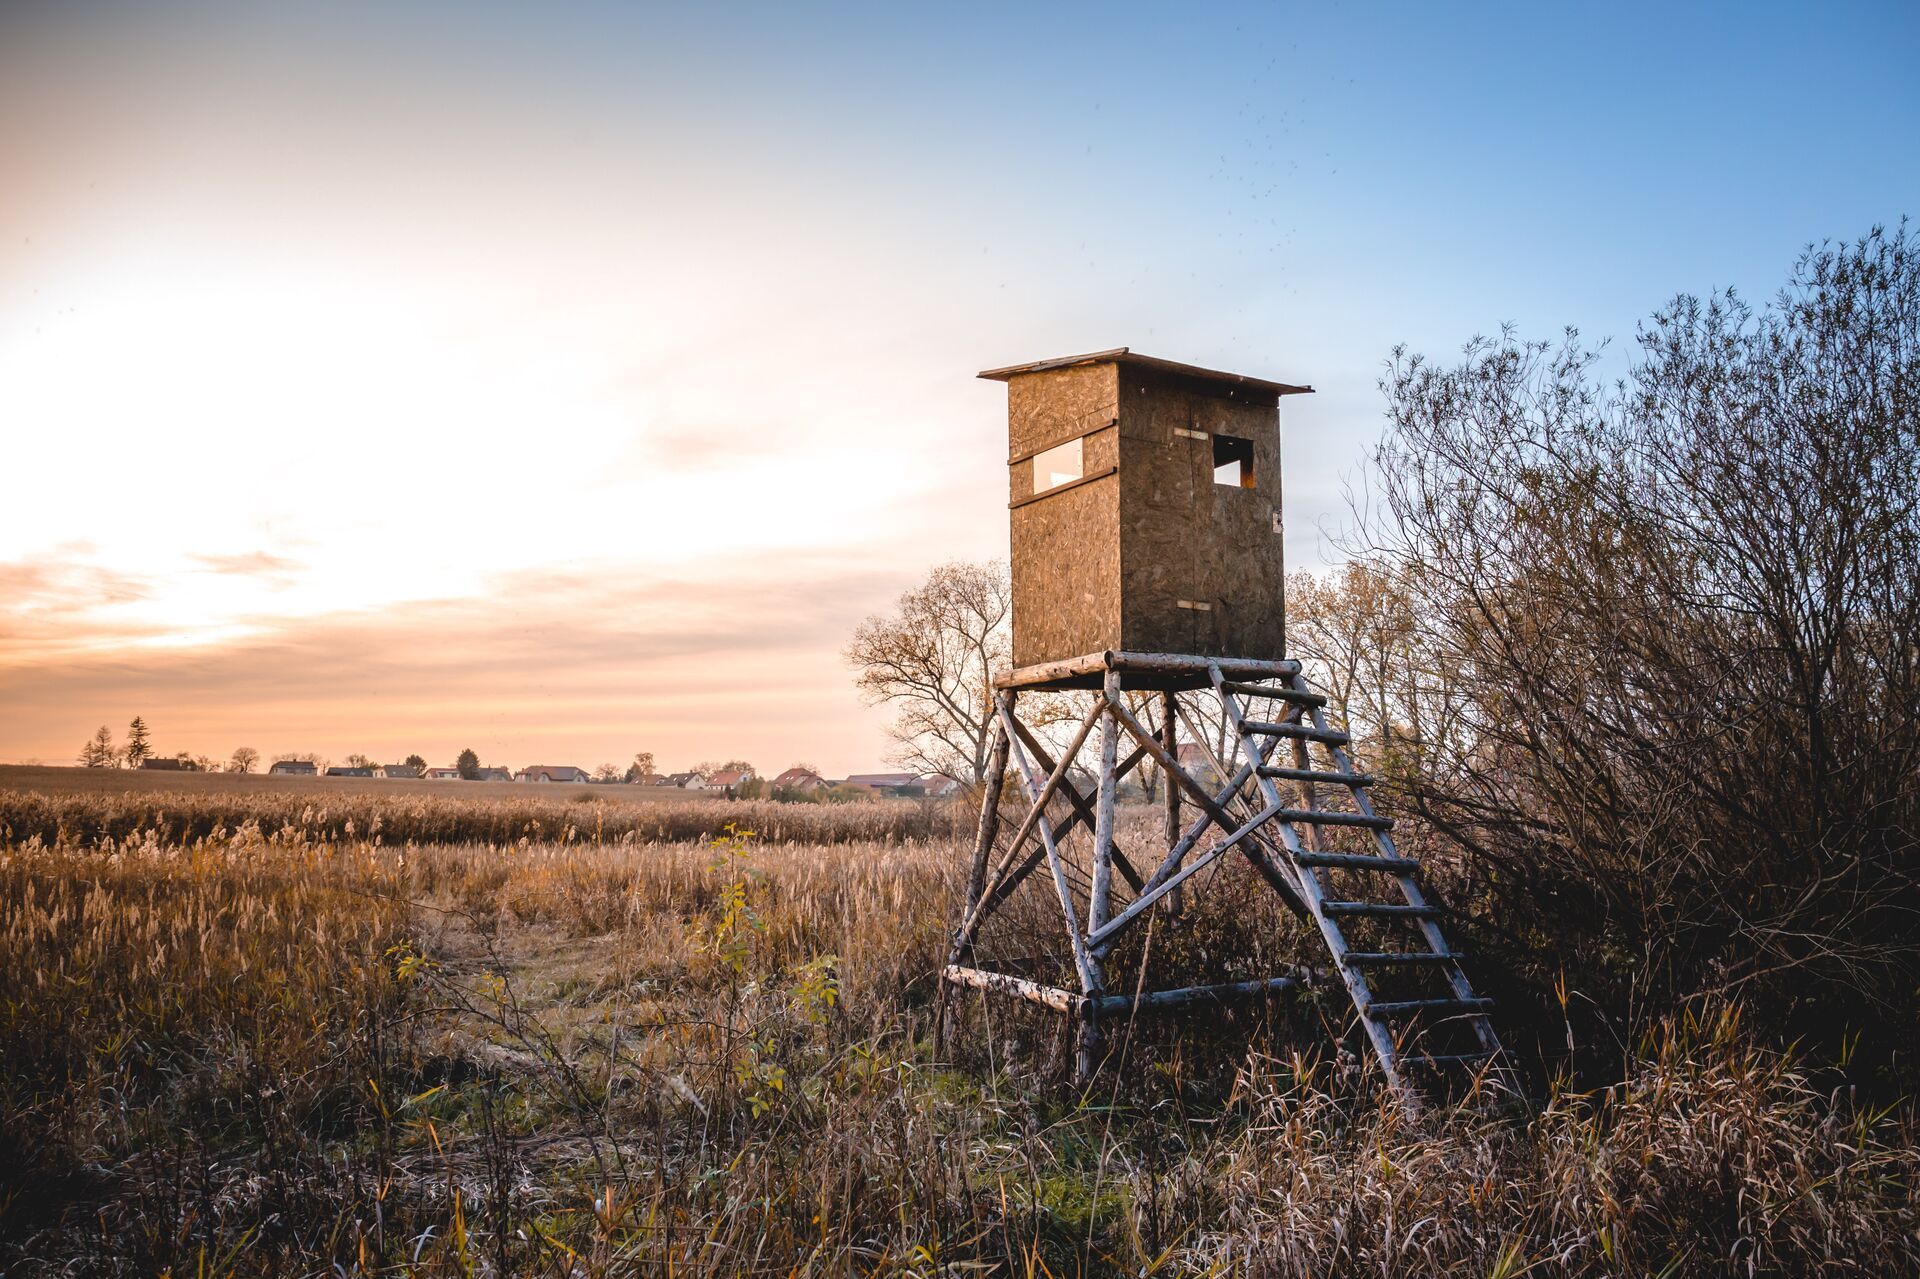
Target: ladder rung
1315,817
1331,736
1445,1059
1282,693
1394,1007
1387,958
1314,775
1357,861
1379,908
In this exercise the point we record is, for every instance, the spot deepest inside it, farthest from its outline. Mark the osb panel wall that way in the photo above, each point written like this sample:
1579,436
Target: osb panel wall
1066,544
1162,480
1183,537
1048,408
1066,568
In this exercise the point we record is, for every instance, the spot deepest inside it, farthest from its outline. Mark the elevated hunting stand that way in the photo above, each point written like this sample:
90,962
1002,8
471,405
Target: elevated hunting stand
1147,569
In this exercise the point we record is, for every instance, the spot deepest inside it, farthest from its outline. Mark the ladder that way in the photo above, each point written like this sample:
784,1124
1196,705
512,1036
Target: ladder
1389,893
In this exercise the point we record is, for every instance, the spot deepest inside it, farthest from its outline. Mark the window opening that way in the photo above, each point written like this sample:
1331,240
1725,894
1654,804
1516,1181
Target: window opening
1059,465
1232,462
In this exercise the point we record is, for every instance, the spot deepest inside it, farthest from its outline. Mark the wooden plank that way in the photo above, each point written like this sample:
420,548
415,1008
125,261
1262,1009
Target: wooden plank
1096,665
1104,472
1320,817
1357,861
1275,877
1268,859
1179,663
1027,455
1401,1007
1170,739
1317,775
1144,901
1083,813
1099,905
1279,692
1056,778
1036,813
1267,729
1194,831
1376,908
1395,958
1435,1060
1061,1001
1187,996
989,827
1083,962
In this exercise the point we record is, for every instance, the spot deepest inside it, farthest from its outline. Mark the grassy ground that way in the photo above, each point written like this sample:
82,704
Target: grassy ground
279,1048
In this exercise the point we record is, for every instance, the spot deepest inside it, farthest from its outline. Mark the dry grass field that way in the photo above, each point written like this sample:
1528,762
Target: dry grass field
279,1031
69,781
90,806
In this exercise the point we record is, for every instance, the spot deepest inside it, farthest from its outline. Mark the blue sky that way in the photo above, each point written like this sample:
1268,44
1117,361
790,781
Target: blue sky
648,332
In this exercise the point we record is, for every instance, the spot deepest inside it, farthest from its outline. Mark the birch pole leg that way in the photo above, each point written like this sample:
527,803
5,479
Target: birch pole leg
1170,738
1100,903
991,786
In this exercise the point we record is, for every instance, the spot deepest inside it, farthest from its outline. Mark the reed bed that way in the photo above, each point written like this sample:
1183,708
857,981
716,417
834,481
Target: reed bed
266,1050
564,815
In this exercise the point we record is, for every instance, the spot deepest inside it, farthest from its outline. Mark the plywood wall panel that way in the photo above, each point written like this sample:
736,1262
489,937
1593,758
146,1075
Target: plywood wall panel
1046,408
1119,562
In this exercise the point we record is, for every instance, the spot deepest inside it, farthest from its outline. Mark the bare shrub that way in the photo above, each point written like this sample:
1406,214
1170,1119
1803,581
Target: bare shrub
1681,618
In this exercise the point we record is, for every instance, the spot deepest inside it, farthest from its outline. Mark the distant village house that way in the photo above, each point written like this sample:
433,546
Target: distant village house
551,773
295,768
882,783
801,779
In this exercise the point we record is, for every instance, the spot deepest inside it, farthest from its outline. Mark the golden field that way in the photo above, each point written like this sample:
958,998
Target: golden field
272,1030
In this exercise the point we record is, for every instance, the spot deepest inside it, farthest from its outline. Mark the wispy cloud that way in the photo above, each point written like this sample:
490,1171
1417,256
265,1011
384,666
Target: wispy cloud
589,666
276,570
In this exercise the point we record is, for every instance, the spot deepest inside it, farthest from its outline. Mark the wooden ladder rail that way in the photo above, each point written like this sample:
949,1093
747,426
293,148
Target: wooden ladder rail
1421,910
1464,1002
1314,895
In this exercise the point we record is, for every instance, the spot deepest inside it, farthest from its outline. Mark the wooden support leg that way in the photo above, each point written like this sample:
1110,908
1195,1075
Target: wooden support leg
1100,905
1088,968
992,785
990,789
1170,738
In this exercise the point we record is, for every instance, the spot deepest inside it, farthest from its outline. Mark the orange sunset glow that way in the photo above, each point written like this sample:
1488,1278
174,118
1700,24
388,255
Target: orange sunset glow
413,380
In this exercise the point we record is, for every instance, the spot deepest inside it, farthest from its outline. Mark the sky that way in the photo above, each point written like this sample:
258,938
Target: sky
569,381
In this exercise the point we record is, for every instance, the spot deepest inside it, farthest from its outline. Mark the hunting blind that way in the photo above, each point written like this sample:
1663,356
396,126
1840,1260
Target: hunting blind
1145,502
1144,498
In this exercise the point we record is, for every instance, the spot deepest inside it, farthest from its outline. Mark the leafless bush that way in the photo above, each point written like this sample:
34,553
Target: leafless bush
1679,620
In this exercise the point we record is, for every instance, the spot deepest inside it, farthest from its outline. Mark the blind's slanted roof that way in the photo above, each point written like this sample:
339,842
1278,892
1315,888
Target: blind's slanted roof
1126,355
